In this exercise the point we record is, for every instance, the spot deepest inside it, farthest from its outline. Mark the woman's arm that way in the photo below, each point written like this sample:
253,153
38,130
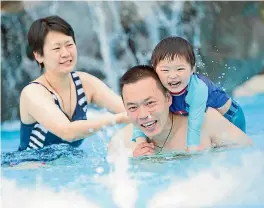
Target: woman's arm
100,94
39,104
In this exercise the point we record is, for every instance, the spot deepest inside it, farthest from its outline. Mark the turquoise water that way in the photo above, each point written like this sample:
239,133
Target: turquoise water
83,177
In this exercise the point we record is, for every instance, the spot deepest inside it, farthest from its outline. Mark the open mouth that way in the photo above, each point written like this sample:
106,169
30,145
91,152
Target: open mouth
174,84
66,62
149,125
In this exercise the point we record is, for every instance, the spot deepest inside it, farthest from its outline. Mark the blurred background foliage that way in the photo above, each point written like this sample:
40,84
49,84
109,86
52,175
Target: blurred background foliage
113,36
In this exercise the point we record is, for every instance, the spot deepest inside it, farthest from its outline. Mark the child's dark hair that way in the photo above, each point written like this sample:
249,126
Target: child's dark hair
41,27
172,47
138,73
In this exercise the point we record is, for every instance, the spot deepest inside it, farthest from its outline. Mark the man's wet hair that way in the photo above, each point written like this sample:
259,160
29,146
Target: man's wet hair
138,73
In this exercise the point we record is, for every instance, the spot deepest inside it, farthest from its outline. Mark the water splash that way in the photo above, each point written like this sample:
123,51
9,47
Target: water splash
41,197
44,154
124,188
216,185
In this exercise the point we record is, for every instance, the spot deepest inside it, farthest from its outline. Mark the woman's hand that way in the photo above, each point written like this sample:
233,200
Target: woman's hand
122,118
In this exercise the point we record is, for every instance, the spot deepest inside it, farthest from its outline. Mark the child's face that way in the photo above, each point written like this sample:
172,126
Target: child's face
174,74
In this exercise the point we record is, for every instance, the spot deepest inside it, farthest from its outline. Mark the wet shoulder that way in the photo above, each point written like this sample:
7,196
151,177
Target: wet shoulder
34,90
85,76
124,133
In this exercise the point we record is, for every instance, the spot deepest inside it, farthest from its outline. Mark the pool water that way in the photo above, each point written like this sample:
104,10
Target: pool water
83,178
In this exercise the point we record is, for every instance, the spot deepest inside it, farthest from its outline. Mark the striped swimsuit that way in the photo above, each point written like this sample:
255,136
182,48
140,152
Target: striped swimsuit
35,136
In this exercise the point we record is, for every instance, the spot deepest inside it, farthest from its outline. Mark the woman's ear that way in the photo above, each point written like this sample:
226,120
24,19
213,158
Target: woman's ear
38,57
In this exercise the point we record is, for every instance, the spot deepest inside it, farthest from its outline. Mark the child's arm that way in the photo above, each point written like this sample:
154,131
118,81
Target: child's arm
137,133
196,99
141,146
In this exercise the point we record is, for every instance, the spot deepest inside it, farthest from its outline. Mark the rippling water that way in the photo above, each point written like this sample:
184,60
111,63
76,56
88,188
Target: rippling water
83,178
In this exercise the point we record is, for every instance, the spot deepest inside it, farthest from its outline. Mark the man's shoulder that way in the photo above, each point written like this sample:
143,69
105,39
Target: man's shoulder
125,132
212,120
213,113
123,137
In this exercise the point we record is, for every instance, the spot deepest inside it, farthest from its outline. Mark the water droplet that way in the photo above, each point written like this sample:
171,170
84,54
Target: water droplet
91,130
99,170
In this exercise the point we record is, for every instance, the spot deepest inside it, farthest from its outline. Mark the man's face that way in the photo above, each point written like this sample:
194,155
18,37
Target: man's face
147,106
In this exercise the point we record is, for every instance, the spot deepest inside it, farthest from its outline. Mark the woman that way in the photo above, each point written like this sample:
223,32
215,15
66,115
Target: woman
53,107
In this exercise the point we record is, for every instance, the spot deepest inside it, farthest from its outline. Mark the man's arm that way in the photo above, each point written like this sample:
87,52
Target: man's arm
222,132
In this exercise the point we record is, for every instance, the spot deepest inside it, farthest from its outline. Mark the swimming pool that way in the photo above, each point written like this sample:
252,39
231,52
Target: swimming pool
83,177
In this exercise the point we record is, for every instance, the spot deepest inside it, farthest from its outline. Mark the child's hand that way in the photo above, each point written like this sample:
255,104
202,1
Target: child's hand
143,148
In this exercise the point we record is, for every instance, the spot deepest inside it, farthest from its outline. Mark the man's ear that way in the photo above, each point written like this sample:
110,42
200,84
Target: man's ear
168,97
38,57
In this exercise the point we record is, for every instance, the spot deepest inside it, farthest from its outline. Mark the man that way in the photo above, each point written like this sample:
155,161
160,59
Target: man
147,104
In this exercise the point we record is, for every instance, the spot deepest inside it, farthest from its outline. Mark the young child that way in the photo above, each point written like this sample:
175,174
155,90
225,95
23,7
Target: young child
173,60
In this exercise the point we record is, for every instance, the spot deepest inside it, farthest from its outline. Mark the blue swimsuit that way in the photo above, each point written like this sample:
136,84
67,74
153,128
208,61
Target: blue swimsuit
201,93
34,136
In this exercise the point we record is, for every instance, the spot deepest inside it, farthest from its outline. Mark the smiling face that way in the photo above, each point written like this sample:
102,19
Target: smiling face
174,74
147,106
59,53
